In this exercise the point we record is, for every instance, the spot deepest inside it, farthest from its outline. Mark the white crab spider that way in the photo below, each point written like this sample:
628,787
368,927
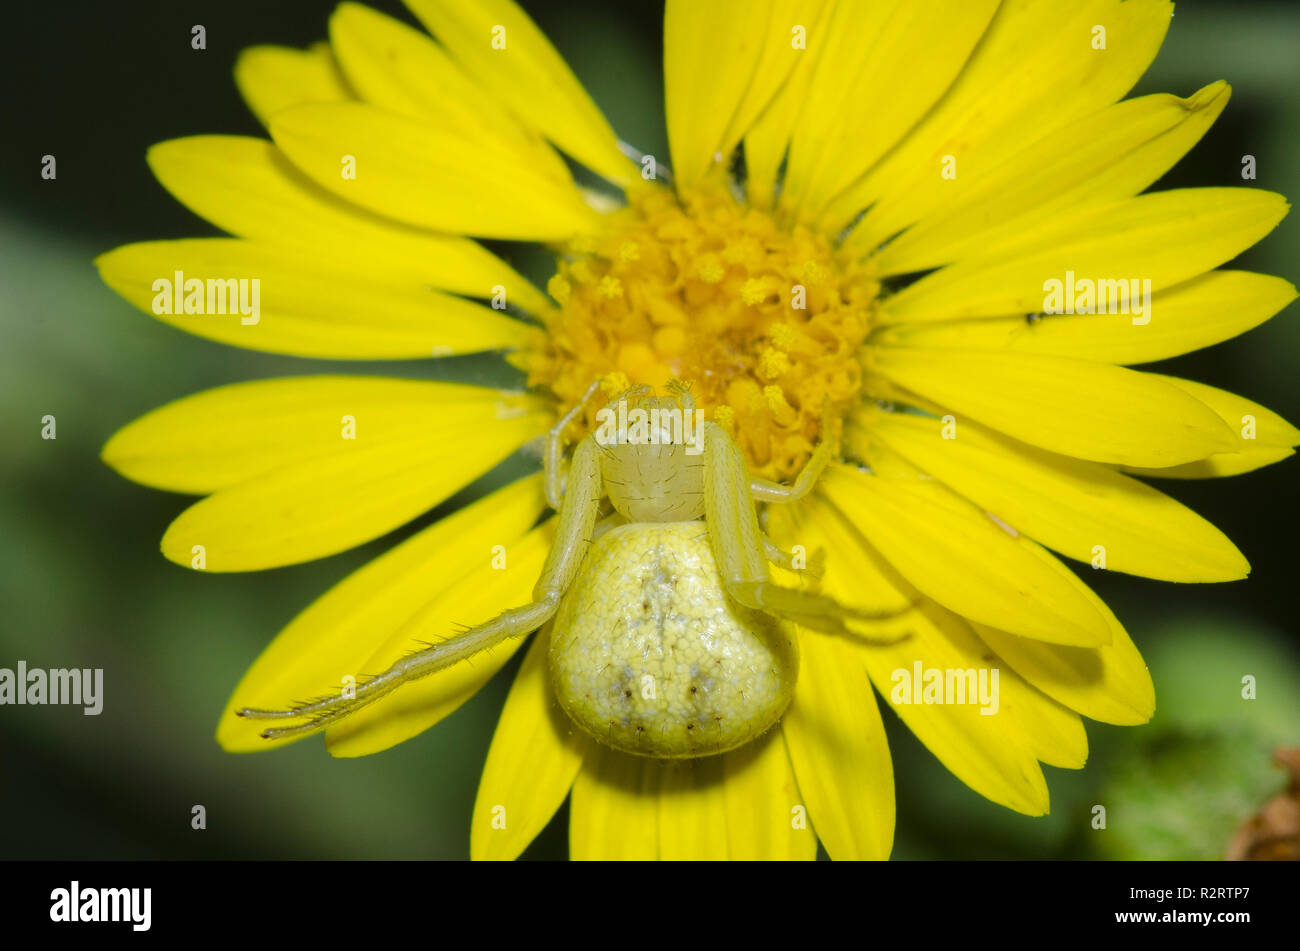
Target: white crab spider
669,638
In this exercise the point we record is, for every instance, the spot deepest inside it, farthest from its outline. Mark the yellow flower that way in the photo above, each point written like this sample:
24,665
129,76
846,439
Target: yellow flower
899,213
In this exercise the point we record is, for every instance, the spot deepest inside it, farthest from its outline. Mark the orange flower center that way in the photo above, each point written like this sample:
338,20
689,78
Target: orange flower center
764,324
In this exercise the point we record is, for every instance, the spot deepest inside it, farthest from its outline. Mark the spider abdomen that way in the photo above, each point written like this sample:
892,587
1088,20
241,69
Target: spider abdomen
650,656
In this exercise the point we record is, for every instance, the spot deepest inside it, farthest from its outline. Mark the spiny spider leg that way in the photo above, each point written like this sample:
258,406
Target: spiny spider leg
784,559
516,622
764,490
555,449
574,529
738,549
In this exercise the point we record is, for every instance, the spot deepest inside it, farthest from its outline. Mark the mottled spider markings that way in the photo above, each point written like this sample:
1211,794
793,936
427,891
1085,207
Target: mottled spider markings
669,638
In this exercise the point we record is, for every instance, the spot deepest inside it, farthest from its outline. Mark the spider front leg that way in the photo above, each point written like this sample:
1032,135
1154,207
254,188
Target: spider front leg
779,556
555,483
738,547
573,533
764,490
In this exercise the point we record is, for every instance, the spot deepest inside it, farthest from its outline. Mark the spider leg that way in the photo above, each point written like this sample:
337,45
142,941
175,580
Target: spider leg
776,554
738,548
555,476
764,490
779,556
573,534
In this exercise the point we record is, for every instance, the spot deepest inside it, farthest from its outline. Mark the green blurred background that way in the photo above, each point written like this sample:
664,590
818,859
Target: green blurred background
82,583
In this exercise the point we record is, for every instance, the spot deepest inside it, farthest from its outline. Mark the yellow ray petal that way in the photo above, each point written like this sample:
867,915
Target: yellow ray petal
777,61
326,504
1194,314
723,62
534,756
1219,465
994,754
472,598
1074,407
246,186
1033,74
692,809
271,78
1067,504
340,631
1261,436
432,178
951,551
1163,237
885,66
1049,730
496,43
1112,154
986,741
766,814
224,436
1054,734
833,534
614,811
840,755
305,306
997,713
399,69
1110,683
767,138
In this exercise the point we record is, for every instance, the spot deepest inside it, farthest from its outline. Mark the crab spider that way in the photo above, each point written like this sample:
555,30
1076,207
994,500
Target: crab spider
668,636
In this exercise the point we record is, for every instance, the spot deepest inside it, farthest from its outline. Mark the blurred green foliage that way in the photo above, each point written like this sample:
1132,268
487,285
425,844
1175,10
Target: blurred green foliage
82,583
1179,788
